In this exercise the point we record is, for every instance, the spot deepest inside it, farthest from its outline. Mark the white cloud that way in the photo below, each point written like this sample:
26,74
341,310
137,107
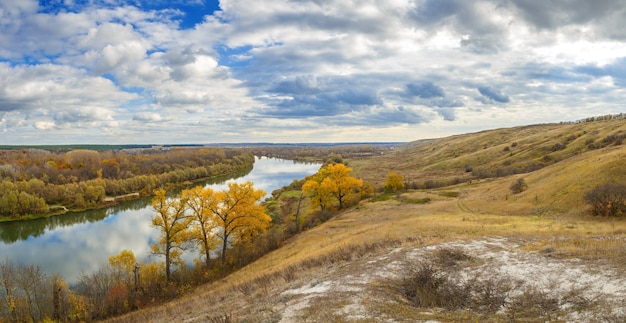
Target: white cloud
581,52
119,56
275,70
44,125
150,117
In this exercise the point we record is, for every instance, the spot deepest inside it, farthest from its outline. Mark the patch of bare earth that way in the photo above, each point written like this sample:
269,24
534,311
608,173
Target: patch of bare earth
365,289
355,291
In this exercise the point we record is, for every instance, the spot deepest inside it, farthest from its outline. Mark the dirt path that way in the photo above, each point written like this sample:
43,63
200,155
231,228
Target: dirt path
461,205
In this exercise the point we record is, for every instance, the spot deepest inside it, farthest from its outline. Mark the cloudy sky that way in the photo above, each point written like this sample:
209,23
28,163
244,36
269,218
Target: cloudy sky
203,71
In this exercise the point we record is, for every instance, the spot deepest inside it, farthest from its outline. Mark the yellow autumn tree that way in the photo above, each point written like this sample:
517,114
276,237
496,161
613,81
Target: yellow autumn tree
201,201
319,192
344,187
332,182
173,222
123,265
151,275
394,182
238,214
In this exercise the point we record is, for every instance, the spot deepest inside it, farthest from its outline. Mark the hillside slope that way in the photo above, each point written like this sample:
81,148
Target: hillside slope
538,251
556,189
492,153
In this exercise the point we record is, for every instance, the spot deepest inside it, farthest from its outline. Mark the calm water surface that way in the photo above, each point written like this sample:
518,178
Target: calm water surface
82,242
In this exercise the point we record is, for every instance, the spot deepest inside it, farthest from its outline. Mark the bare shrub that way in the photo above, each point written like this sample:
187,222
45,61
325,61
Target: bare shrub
423,200
431,286
317,218
490,295
427,286
24,293
430,184
449,194
289,273
449,257
611,317
246,288
532,303
518,186
226,318
607,199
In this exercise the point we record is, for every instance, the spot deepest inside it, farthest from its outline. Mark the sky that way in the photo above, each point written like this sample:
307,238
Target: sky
295,71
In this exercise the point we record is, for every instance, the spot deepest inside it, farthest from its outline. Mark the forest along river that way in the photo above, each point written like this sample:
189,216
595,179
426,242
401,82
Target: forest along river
81,243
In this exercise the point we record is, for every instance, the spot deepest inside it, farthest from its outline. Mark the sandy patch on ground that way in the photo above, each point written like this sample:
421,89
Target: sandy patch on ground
344,291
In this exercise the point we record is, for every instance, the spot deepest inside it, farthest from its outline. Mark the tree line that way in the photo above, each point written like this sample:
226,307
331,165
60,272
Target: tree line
35,182
327,153
211,221
227,229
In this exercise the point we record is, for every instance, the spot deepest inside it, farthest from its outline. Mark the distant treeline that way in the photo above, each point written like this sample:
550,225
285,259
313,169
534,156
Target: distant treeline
35,182
329,153
602,118
66,148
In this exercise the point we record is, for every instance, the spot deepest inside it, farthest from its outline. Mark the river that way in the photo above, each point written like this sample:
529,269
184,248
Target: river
81,243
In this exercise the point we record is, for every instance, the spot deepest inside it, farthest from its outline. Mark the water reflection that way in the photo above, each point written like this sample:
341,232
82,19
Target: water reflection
11,232
82,242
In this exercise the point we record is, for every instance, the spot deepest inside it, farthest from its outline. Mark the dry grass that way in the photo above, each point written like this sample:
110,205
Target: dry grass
594,248
256,293
446,159
548,219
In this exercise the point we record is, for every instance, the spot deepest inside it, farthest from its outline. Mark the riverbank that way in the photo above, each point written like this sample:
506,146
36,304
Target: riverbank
80,243
33,180
110,201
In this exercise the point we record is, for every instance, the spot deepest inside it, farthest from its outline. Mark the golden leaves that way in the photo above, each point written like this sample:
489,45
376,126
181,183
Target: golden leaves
333,182
204,216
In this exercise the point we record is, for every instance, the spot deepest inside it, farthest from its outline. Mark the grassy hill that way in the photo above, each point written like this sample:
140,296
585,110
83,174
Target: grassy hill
536,255
493,153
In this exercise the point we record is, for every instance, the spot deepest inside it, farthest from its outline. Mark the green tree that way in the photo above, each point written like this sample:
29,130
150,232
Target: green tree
173,222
